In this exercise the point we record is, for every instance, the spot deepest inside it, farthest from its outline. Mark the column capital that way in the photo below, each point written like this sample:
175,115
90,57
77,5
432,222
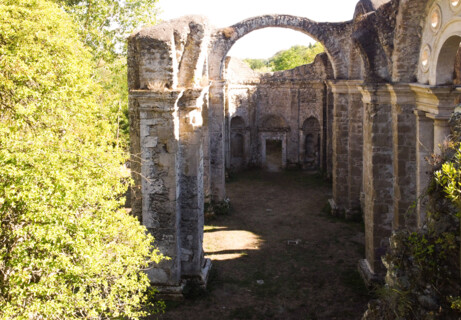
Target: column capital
158,101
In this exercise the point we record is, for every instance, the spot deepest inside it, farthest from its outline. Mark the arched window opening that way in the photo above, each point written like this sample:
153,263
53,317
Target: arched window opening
447,59
237,123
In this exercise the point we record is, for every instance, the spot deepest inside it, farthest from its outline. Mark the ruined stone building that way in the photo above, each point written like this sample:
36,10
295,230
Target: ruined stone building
367,112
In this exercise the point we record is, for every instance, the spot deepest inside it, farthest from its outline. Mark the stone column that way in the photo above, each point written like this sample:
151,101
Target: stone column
424,149
378,175
404,152
441,131
216,119
159,165
340,141
355,149
194,267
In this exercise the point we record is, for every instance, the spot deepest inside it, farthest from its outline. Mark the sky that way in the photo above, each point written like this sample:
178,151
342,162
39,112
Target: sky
263,43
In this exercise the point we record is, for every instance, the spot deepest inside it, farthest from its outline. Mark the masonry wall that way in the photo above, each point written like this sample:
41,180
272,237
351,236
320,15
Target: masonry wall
287,106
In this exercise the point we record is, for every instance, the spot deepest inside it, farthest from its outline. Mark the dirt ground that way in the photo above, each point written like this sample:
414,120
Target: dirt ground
279,255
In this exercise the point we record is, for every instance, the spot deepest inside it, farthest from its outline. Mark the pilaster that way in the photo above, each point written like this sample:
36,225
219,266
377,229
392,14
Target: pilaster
378,174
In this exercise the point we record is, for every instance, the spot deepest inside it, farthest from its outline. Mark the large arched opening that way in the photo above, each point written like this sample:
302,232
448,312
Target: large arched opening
294,102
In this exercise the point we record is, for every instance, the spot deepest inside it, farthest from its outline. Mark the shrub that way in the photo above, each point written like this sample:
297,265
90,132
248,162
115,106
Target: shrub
67,249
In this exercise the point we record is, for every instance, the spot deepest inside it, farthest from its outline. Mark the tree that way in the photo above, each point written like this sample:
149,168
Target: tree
67,249
295,56
257,64
104,25
287,59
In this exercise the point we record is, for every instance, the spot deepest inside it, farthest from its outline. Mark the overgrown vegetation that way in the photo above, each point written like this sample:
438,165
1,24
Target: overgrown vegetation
67,249
287,59
423,279
103,27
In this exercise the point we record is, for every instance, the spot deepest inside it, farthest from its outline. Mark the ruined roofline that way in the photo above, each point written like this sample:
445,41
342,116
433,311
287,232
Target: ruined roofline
161,30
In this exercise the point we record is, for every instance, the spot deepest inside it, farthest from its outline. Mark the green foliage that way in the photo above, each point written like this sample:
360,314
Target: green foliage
67,249
261,65
456,303
423,265
449,177
294,57
104,24
113,79
287,59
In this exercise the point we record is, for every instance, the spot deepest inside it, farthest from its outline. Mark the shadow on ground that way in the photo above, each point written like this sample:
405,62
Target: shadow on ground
279,255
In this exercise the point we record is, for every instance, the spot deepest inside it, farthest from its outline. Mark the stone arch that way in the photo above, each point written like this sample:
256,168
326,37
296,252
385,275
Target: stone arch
443,53
331,35
373,38
406,46
438,44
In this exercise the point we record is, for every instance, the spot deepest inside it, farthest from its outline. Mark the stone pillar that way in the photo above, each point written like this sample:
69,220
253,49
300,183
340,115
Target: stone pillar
355,149
206,152
441,131
216,117
424,149
378,177
404,152
194,267
340,141
159,164
329,106
434,105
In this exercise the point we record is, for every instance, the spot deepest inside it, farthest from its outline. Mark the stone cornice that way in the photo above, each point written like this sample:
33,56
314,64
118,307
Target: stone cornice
386,93
340,86
438,101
